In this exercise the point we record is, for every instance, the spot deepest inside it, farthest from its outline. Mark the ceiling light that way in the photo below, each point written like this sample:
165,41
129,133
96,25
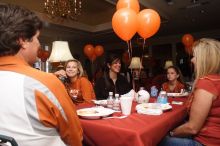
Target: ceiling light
69,9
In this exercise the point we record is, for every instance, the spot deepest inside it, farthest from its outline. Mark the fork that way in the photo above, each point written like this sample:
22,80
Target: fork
115,117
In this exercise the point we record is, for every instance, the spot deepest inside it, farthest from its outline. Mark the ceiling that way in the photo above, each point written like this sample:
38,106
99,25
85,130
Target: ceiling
177,16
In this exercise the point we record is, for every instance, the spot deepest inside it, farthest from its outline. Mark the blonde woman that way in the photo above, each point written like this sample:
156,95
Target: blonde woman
203,125
78,86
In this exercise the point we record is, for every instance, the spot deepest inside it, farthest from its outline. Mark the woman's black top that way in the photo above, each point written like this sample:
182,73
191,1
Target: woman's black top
105,84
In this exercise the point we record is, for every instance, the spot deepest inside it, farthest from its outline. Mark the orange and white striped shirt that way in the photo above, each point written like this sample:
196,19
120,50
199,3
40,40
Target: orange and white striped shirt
35,108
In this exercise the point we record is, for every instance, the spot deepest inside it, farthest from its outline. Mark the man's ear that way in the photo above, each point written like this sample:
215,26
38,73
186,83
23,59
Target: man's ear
23,43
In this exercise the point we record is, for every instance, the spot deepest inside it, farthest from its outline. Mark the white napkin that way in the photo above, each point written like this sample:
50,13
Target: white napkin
150,111
131,94
143,96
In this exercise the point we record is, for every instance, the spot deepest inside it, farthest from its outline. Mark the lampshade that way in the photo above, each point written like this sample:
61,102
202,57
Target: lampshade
60,52
168,63
135,63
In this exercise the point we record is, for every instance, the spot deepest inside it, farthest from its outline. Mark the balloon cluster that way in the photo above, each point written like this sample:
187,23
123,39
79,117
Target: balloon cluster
93,52
127,20
187,41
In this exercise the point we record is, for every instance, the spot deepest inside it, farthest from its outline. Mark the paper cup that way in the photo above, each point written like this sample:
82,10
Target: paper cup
126,104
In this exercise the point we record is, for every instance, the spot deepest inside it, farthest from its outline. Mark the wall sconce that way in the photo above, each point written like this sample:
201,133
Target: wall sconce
168,63
136,67
60,52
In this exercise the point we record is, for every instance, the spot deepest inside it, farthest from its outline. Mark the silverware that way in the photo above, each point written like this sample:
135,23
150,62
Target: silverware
115,117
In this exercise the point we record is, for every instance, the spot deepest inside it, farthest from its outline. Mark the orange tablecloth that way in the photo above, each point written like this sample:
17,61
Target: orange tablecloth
135,130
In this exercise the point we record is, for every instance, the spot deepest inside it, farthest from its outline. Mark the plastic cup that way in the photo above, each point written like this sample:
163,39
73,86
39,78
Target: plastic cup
126,104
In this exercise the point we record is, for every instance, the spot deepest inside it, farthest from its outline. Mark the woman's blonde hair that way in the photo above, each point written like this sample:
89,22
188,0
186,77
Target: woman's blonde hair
207,57
79,66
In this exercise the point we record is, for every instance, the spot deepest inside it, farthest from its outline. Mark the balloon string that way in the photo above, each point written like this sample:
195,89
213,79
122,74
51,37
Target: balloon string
130,57
92,70
130,48
142,56
129,54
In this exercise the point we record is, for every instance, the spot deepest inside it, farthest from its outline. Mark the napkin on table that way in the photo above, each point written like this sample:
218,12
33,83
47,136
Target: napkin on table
131,94
149,111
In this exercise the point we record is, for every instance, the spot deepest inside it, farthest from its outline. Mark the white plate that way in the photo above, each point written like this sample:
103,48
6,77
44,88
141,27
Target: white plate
178,94
100,102
94,112
163,107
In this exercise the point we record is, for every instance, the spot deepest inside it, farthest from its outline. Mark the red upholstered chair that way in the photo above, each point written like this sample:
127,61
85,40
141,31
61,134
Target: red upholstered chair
159,80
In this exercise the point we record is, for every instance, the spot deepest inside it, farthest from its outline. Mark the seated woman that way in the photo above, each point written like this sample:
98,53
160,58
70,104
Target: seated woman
78,87
174,82
112,81
202,127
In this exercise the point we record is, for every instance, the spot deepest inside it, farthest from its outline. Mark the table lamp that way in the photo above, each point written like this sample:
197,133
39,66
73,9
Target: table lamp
136,67
168,63
60,52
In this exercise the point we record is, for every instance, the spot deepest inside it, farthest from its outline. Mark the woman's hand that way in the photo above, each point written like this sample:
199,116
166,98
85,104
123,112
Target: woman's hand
60,73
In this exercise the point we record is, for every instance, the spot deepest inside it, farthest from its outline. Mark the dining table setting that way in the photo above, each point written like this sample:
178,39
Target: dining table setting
146,124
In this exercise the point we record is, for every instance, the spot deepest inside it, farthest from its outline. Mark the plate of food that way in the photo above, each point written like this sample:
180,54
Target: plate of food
178,94
163,107
94,112
100,102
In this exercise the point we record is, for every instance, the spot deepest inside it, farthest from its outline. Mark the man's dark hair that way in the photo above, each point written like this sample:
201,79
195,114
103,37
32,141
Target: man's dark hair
16,23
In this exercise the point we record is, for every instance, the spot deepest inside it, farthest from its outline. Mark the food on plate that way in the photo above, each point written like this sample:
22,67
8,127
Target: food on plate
154,106
86,112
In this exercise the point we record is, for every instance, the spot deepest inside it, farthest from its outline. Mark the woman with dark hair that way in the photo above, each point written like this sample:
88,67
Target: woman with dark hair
112,81
174,82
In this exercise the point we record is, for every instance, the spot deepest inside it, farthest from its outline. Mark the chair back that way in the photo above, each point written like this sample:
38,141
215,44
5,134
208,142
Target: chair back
4,139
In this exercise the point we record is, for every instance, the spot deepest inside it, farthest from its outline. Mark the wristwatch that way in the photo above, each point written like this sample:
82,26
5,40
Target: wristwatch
171,133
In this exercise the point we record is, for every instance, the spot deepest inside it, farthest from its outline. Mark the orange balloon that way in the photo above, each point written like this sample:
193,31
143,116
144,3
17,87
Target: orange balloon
99,50
132,4
88,50
43,55
92,58
187,40
40,53
124,23
148,23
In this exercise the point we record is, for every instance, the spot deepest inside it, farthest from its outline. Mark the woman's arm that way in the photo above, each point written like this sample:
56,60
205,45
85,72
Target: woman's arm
87,91
200,108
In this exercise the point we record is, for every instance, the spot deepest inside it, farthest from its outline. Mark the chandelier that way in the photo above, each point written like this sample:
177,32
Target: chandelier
69,9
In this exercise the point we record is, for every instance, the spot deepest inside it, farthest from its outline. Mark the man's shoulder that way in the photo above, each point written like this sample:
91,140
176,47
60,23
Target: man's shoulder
48,79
